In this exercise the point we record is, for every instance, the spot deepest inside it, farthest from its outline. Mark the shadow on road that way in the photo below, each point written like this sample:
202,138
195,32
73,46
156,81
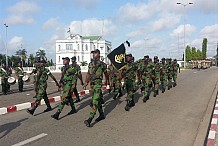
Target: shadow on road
7,128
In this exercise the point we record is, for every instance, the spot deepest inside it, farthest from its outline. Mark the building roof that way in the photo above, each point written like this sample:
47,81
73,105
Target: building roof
92,38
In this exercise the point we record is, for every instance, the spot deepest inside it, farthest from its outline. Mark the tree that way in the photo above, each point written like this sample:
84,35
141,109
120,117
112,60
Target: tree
194,53
22,54
199,54
84,63
41,53
204,48
31,60
188,53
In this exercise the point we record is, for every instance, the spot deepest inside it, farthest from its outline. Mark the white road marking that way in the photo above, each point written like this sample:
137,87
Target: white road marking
27,94
30,139
28,85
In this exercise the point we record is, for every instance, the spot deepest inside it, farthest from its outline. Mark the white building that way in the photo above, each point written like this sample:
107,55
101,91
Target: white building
81,47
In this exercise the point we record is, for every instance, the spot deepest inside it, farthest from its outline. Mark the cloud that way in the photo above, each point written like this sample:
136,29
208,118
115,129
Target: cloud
189,29
52,23
166,21
15,42
92,27
22,13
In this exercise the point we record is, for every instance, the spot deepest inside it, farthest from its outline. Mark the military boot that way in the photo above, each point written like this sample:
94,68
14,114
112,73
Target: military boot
132,103
115,96
88,122
127,107
163,90
48,109
101,117
174,85
56,115
73,111
31,111
120,93
145,98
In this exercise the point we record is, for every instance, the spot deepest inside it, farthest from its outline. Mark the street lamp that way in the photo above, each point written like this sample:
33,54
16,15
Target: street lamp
184,5
6,26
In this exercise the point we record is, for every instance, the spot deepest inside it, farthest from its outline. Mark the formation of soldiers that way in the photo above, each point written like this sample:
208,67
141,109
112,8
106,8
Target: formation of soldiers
144,73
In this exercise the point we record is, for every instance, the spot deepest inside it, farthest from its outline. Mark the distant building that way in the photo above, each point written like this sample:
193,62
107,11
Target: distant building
81,47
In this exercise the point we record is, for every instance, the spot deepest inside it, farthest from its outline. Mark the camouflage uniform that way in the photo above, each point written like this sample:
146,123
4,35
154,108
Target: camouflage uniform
4,80
163,75
77,68
156,79
175,67
129,74
20,73
146,68
115,80
169,73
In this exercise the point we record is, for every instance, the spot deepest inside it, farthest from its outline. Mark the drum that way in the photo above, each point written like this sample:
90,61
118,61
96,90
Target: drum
26,78
11,80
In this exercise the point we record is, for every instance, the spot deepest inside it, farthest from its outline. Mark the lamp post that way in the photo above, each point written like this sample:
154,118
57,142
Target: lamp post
6,48
184,5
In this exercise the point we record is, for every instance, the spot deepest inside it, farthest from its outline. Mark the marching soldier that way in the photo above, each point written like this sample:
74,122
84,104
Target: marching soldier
115,80
146,75
156,79
68,83
129,74
176,67
78,74
4,79
9,71
163,75
41,84
96,69
34,72
169,73
20,73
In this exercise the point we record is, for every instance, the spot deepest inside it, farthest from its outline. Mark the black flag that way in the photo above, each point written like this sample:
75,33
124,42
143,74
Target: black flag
117,56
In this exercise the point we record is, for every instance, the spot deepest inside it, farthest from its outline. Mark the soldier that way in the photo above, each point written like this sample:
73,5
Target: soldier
156,79
78,74
68,83
176,67
147,68
129,74
9,71
4,79
163,75
20,73
115,80
41,84
94,76
34,72
169,73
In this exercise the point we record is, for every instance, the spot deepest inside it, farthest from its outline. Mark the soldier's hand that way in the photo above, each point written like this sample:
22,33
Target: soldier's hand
82,83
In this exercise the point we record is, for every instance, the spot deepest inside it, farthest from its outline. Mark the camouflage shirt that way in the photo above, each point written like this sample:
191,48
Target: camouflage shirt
69,73
96,70
77,68
113,72
146,68
129,71
42,75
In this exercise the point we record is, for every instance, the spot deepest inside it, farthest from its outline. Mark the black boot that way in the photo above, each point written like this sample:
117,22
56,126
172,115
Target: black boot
145,98
31,111
132,103
48,109
88,122
155,94
120,93
56,115
127,107
174,85
163,90
101,117
73,111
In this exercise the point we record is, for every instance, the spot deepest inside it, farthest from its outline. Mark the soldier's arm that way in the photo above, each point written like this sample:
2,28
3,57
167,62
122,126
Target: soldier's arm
106,74
87,78
80,75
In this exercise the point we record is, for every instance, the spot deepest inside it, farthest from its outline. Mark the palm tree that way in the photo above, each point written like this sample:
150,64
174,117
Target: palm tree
41,53
84,63
22,54
31,59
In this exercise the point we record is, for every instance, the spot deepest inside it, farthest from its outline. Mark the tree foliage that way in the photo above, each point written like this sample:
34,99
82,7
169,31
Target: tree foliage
204,48
188,53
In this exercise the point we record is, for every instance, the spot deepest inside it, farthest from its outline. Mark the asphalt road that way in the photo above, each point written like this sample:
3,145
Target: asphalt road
171,119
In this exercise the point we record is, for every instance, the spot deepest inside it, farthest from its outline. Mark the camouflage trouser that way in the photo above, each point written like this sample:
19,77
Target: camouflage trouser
35,88
4,82
169,77
67,95
163,80
20,84
117,85
42,95
146,81
156,81
129,88
174,77
96,99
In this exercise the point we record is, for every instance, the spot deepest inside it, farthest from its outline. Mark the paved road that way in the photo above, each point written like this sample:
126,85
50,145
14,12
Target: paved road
172,119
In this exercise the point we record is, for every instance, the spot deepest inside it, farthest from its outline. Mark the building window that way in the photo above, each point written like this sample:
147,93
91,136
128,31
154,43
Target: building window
94,47
101,48
69,47
59,59
86,47
78,58
59,47
78,47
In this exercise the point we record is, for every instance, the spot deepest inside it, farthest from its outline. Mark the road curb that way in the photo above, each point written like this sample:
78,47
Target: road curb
26,105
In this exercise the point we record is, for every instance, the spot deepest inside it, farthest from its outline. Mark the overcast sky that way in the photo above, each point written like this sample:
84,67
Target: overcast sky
154,27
